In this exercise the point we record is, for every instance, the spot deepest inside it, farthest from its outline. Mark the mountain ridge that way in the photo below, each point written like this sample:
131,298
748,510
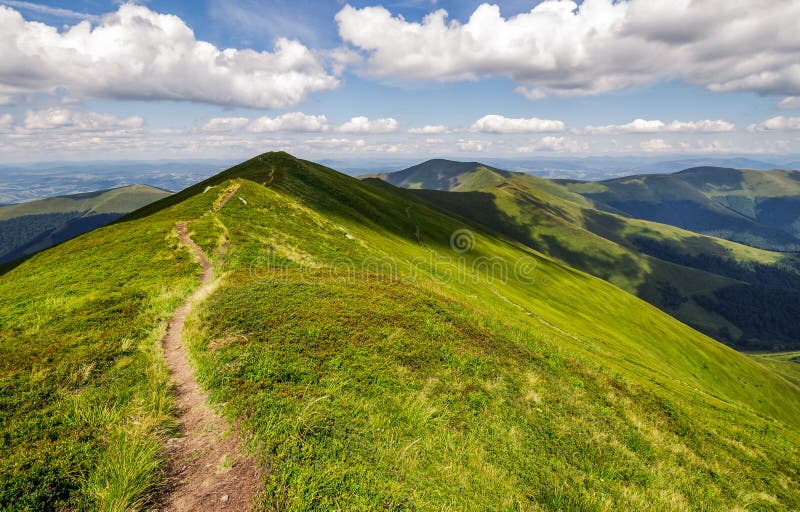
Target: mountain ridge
32,226
696,278
372,362
758,208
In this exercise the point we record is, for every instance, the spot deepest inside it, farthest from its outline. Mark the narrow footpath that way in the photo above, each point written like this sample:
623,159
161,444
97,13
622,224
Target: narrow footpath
209,469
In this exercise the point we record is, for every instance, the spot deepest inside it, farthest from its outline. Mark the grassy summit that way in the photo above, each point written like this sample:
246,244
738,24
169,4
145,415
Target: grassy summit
379,353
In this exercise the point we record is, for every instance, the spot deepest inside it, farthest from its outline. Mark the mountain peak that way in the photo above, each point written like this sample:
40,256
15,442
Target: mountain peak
442,174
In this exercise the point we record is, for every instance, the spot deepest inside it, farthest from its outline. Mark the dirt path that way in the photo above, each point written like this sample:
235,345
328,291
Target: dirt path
209,468
227,197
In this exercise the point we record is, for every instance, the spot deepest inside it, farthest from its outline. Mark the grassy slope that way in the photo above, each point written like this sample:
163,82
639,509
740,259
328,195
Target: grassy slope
85,398
441,174
786,364
372,391
754,207
116,200
563,225
36,225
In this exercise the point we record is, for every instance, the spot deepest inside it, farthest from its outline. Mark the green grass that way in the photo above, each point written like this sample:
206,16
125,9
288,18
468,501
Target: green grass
758,208
30,227
671,268
85,395
408,401
786,364
115,200
373,393
374,368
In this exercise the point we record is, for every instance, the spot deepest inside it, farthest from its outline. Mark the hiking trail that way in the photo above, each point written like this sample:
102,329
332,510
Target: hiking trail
208,466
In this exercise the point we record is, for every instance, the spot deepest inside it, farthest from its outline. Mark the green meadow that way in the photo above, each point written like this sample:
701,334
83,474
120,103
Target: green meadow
379,352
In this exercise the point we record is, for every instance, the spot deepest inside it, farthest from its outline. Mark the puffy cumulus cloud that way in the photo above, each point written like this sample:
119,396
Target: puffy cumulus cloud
225,124
499,124
790,103
291,122
472,146
556,144
655,145
6,120
430,129
560,47
136,53
362,124
705,126
347,145
778,123
55,117
656,126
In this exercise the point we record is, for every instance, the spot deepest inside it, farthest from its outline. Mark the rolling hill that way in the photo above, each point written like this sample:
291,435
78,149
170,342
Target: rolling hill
376,352
743,296
439,174
29,227
758,208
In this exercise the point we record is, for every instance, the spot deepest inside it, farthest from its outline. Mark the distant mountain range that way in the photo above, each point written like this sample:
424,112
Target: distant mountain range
753,207
26,228
741,295
28,182
31,181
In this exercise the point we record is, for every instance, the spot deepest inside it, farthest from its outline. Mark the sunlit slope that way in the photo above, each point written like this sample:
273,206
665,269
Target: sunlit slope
439,174
29,227
376,367
759,208
85,400
741,295
403,384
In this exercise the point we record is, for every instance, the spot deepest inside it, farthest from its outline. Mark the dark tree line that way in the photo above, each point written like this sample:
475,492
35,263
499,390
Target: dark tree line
761,312
18,232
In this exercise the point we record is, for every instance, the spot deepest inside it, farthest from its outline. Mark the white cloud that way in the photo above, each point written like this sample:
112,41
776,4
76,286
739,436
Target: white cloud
225,124
779,123
657,126
136,53
291,122
336,143
705,126
472,146
655,145
346,145
50,118
50,11
560,47
6,120
363,124
553,143
790,103
430,129
499,124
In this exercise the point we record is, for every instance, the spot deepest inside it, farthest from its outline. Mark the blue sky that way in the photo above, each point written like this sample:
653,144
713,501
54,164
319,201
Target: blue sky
554,77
